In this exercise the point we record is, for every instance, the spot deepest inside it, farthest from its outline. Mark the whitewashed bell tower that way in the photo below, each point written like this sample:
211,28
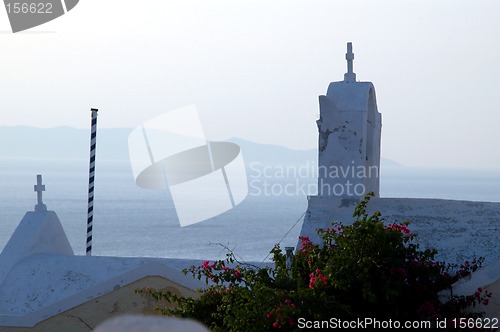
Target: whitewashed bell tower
349,137
349,129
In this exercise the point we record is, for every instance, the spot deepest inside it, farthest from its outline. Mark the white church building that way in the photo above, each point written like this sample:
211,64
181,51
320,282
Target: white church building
349,148
45,287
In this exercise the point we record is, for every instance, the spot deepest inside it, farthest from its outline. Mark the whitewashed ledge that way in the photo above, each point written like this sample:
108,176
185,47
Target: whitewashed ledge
459,230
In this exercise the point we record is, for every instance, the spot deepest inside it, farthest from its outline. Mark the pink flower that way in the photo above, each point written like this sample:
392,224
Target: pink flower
323,279
312,280
206,265
306,244
276,325
317,276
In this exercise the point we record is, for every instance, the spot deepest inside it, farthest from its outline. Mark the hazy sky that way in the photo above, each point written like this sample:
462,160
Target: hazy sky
255,68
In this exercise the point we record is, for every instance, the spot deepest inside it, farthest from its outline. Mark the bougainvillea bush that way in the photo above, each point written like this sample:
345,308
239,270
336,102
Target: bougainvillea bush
370,268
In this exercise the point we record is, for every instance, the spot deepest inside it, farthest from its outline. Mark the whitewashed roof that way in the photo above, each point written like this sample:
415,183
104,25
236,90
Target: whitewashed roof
41,277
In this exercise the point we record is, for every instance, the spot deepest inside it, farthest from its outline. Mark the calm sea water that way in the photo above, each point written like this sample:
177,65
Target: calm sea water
130,221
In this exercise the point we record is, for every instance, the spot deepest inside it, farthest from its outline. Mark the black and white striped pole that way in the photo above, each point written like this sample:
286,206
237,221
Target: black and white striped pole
90,211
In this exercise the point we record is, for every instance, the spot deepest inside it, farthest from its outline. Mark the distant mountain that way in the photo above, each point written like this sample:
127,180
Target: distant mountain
66,143
273,154
61,143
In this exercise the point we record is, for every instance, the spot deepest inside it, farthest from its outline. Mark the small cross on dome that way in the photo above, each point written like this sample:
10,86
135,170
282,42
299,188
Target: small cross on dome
39,188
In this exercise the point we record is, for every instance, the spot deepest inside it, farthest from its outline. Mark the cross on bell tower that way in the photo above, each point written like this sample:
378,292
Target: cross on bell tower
39,188
350,76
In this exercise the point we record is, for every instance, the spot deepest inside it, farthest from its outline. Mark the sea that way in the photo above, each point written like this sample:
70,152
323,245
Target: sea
130,221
